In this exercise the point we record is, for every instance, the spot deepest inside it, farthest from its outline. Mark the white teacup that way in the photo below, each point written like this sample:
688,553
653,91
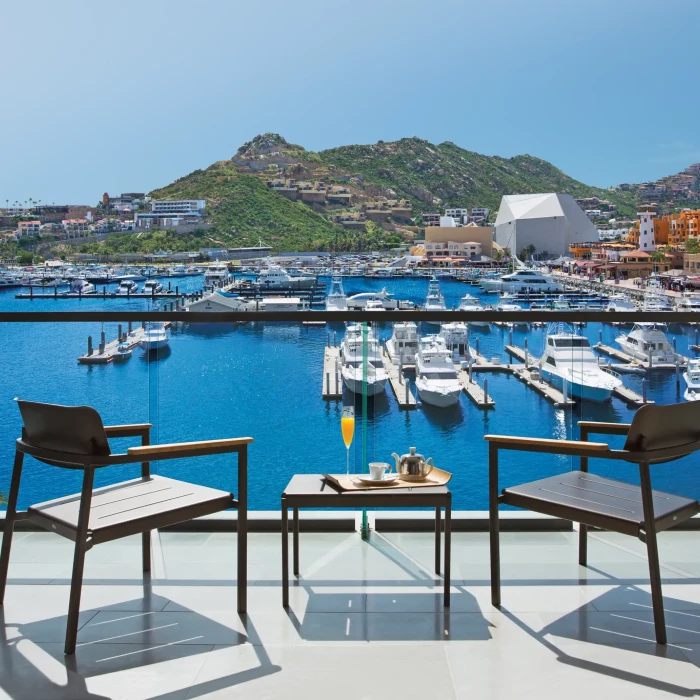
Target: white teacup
378,469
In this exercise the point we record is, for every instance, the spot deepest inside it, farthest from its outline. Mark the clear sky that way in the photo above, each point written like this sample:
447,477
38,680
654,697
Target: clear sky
129,95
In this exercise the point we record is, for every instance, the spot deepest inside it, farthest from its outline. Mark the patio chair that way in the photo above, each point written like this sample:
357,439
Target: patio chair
657,434
73,437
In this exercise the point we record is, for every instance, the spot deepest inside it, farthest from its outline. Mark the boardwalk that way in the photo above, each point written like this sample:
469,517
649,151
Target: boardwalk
542,387
332,386
474,391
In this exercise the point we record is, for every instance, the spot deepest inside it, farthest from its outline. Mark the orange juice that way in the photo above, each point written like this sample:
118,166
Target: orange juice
347,426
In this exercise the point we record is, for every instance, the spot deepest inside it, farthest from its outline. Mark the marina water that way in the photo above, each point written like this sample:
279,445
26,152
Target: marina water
264,380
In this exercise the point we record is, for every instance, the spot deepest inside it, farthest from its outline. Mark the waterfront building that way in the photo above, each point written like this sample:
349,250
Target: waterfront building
28,228
549,222
438,238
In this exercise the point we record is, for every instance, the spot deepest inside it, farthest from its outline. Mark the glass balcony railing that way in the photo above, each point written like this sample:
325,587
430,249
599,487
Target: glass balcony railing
272,376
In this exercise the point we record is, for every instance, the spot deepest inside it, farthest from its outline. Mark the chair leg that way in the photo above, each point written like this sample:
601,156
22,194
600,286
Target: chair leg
494,529
10,517
657,599
583,544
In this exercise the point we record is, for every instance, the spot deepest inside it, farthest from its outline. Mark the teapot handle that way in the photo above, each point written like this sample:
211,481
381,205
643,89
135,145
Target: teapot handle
429,461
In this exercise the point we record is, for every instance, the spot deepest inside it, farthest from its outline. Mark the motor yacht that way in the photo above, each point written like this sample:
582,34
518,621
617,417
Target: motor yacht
689,302
456,337
126,288
216,275
648,340
359,301
274,276
692,380
352,356
521,281
81,286
152,287
570,365
436,375
471,303
336,299
620,302
434,301
656,302
155,337
403,344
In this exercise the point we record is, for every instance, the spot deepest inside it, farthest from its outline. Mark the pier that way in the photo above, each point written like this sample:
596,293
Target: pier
398,382
332,387
474,391
107,352
534,380
104,294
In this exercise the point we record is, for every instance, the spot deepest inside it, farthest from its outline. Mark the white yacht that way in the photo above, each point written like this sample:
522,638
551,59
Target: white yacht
689,302
505,306
216,275
336,299
403,344
152,287
656,302
177,271
155,337
374,305
351,353
692,380
436,375
620,302
521,281
471,303
434,301
127,287
456,339
359,301
569,360
275,276
647,339
81,286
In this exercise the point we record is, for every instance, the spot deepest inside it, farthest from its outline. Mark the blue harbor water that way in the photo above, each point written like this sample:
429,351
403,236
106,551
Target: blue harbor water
264,380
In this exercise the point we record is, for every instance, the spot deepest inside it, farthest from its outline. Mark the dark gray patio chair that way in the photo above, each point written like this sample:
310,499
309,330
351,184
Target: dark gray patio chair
73,437
657,434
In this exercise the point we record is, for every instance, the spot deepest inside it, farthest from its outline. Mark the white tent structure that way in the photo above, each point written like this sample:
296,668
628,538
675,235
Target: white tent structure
549,222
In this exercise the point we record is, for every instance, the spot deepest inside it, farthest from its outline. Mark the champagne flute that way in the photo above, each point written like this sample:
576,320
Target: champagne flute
347,427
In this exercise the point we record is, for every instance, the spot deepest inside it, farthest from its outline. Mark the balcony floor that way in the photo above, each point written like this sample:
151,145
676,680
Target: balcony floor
366,620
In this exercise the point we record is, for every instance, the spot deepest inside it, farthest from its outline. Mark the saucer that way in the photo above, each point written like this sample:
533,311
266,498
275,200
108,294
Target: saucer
386,481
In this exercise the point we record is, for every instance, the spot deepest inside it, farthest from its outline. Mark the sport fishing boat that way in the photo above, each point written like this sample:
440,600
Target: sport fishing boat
359,301
434,301
456,339
152,287
570,365
692,380
353,370
155,337
647,340
336,299
521,281
216,275
436,375
127,287
403,344
471,303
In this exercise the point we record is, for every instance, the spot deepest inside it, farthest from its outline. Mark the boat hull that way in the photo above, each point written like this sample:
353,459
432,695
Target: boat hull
356,385
576,390
439,399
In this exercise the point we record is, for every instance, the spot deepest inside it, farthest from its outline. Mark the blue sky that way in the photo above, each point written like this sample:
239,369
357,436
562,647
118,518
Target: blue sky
128,96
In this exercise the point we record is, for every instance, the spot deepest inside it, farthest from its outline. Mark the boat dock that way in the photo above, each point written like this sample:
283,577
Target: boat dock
474,391
541,387
107,352
332,387
520,354
398,382
104,294
630,397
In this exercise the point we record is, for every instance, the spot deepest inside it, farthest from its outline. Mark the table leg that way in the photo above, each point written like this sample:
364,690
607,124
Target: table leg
295,539
448,548
242,536
437,539
285,554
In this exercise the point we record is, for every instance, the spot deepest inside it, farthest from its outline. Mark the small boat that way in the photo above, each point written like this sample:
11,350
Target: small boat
649,340
123,353
155,337
471,303
126,288
692,380
436,375
152,287
403,344
434,301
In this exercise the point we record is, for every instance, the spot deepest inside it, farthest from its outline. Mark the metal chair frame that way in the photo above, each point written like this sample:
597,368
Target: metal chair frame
646,531
82,534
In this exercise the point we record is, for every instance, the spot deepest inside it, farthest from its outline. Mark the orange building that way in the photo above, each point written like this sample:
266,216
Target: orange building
672,229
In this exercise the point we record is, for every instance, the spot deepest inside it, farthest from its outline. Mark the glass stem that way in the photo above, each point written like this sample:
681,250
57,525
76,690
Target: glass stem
347,461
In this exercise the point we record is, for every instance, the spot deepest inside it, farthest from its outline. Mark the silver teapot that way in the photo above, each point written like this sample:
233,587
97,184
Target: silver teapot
412,466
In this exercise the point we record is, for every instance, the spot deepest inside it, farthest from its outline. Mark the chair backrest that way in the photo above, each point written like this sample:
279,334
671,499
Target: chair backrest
675,425
73,430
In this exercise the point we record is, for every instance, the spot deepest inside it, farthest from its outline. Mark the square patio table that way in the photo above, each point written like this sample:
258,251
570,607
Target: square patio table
314,491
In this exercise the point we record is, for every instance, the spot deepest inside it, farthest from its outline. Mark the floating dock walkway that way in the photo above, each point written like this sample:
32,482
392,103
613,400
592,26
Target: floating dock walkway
107,352
332,387
541,387
399,384
475,392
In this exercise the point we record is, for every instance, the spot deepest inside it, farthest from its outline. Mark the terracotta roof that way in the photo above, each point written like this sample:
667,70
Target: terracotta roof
635,254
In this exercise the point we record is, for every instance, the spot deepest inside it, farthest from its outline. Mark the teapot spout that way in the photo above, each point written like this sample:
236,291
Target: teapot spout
398,461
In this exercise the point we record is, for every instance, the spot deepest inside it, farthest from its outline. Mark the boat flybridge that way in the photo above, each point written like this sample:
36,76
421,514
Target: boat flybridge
472,303
570,365
216,275
692,380
127,287
456,337
521,281
355,372
336,299
436,375
434,301
649,342
403,344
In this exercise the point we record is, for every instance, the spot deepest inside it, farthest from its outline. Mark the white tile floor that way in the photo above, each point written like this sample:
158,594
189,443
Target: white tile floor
366,620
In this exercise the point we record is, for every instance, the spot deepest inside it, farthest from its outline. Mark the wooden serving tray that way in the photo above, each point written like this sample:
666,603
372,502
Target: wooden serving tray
437,477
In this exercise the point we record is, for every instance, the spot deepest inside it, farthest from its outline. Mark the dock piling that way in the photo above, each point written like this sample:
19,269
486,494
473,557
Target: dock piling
129,327
476,346
119,333
102,342
486,392
89,352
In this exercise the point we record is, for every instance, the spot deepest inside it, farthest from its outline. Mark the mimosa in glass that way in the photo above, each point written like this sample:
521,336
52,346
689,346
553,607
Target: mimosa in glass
347,427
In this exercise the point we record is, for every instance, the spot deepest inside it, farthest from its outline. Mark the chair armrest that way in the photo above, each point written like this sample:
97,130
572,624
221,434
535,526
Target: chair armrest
546,444
127,430
189,449
604,428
